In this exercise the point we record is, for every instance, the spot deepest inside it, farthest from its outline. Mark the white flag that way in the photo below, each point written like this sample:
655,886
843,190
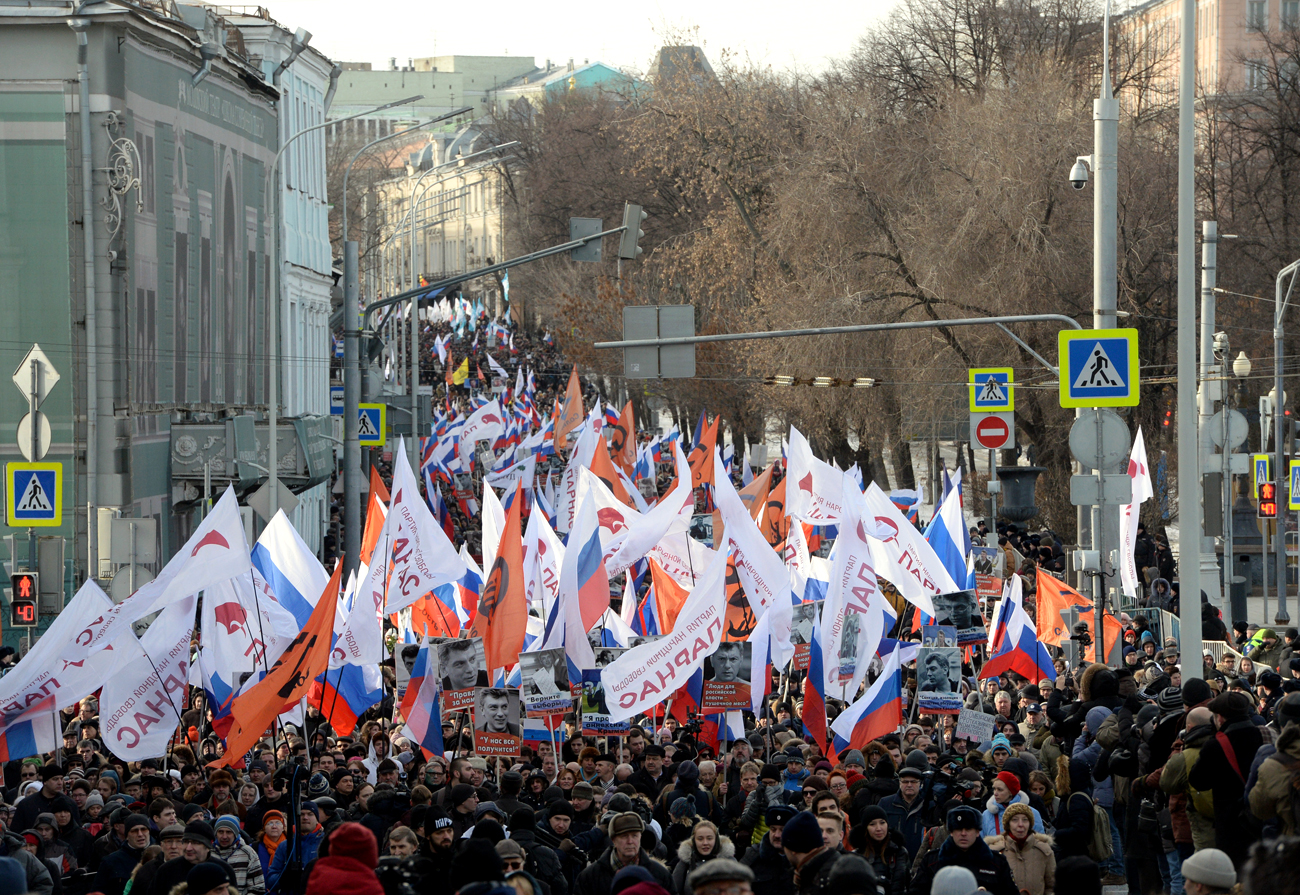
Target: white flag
142,702
484,424
1130,514
850,629
216,552
902,556
815,491
650,673
422,556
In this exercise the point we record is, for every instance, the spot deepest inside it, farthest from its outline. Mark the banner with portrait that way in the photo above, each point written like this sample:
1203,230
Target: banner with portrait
961,610
544,683
726,678
497,730
462,666
803,617
938,679
593,710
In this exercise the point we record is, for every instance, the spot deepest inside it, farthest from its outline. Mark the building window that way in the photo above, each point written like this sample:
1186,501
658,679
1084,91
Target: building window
1290,13
1257,15
1256,74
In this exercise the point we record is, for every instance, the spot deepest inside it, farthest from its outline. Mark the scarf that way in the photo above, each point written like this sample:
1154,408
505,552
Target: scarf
806,861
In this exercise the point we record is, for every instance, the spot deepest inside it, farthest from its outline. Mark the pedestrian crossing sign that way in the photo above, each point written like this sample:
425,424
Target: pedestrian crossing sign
371,424
992,390
34,495
1098,367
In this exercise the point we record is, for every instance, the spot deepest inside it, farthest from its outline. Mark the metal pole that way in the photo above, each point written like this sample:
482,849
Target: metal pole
1280,421
1205,405
1189,461
351,412
35,403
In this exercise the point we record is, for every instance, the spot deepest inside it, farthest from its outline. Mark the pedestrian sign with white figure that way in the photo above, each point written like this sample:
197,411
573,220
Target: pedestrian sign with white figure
34,495
371,424
1098,367
992,390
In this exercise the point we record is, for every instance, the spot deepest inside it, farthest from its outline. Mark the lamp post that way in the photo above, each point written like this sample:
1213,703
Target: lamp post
351,354
1280,303
273,313
1240,369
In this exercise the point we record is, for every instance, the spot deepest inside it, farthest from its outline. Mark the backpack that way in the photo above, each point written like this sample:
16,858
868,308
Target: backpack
1100,847
1202,799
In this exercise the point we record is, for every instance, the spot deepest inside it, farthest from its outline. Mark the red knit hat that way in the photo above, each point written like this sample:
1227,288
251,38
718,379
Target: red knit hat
1011,780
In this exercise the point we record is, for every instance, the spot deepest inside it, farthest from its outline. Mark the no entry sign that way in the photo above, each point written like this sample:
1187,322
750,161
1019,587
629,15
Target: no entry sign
993,431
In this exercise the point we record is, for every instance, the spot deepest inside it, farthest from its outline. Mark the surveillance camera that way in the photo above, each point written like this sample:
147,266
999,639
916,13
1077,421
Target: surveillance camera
1079,175
1220,341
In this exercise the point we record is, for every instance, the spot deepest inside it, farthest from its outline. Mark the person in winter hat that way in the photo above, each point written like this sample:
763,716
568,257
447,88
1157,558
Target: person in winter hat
1006,792
965,848
1030,854
350,865
807,853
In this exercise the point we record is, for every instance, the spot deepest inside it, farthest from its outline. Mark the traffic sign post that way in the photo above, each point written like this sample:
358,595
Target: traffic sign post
34,495
1263,466
1293,495
371,424
993,431
336,400
1098,367
992,389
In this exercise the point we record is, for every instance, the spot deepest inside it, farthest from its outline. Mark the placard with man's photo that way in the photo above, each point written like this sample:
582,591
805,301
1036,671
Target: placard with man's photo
497,730
544,683
938,635
593,712
461,667
938,679
802,618
961,610
726,678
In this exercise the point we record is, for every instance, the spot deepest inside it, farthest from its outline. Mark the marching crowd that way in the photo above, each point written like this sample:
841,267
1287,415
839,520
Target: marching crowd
1139,777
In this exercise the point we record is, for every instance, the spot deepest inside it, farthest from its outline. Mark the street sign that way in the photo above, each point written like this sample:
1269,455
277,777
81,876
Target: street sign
338,348
1099,367
1263,464
48,376
372,424
992,389
1100,440
1293,496
1237,427
993,431
1115,489
644,322
336,400
25,435
34,495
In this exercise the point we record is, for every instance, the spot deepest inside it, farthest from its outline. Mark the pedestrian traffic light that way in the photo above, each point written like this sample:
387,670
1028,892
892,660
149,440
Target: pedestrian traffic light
23,590
1267,500
629,245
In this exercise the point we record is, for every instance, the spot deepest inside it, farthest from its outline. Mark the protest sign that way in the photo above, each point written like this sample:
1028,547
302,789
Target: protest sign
462,666
974,725
544,683
938,674
496,721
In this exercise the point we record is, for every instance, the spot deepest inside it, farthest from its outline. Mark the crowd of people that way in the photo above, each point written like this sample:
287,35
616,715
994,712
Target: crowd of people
1141,777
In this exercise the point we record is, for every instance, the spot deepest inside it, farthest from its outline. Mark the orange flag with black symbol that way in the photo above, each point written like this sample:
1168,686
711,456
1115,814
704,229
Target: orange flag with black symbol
571,412
622,444
502,617
701,456
289,680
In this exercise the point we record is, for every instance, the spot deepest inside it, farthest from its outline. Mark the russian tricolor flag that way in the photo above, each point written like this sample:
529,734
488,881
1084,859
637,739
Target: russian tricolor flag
24,739
814,692
1016,643
948,535
878,712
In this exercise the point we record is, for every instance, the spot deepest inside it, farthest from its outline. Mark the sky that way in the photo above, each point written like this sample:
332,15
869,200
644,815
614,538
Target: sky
787,36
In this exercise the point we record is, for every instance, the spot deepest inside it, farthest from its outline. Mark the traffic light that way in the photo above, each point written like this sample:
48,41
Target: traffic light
629,245
1267,500
23,590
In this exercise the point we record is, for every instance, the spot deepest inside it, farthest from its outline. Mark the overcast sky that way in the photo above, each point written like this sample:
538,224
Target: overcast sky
785,35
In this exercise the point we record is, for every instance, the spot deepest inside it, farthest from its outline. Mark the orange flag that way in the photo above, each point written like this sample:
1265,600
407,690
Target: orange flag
430,616
740,621
753,496
290,678
571,413
451,366
701,457
603,467
1111,631
503,606
1054,597
774,523
375,515
622,445
670,595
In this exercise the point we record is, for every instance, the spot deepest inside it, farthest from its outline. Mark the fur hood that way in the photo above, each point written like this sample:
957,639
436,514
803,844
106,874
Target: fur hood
1098,682
687,855
1040,841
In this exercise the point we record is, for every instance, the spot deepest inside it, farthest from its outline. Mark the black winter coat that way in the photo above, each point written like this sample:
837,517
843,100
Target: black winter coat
992,872
598,878
892,865
773,874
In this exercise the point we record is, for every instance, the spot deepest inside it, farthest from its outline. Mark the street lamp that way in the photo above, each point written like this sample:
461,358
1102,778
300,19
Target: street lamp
273,313
1280,303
